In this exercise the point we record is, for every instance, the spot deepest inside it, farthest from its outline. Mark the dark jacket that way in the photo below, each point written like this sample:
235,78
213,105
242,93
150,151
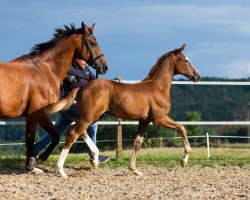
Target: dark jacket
76,77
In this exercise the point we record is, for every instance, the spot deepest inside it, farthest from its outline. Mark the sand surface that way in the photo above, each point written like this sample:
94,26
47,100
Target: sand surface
106,183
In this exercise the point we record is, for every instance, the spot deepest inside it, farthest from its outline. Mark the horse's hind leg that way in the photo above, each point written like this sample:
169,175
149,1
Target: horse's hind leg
45,122
169,123
137,146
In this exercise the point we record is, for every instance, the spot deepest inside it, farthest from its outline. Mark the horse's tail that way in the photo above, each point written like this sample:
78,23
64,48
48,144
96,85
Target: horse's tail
63,104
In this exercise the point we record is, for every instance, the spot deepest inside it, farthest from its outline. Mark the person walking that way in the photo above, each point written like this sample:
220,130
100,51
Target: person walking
78,76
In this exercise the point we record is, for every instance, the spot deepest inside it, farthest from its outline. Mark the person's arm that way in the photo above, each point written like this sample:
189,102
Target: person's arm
91,75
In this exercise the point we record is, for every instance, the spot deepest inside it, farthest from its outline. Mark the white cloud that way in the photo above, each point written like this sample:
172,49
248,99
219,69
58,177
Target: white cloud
234,69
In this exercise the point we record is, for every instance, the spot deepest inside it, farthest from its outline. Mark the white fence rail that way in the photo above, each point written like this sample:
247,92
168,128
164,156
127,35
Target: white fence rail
119,123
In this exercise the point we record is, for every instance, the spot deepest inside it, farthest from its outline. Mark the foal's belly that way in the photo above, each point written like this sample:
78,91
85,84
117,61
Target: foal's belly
121,114
129,111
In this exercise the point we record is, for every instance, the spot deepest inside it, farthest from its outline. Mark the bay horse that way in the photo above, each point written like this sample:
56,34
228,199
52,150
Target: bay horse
31,82
146,101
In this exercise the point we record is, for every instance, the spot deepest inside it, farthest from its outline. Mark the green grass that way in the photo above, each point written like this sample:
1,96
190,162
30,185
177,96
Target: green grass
160,157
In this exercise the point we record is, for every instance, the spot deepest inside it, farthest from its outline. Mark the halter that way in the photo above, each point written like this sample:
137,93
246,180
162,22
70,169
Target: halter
95,60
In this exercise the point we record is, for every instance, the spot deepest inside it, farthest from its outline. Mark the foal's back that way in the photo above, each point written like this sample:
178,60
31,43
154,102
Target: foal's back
125,101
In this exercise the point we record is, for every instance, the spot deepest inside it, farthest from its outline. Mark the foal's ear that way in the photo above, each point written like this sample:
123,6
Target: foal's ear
182,48
85,29
92,27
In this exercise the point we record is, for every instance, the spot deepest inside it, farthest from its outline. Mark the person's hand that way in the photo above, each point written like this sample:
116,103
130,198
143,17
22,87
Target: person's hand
71,79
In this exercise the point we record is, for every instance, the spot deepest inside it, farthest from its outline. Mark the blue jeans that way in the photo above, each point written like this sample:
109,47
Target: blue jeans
63,121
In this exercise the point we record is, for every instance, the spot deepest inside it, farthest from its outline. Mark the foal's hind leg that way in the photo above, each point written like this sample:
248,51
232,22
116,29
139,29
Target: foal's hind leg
137,146
72,136
93,148
169,123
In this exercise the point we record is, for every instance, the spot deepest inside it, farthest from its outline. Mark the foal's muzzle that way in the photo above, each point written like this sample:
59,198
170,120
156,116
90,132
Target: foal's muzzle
195,78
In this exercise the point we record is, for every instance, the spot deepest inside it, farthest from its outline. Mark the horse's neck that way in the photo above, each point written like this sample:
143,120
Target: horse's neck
59,58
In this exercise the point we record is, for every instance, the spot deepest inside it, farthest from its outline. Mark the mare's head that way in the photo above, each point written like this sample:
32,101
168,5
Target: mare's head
81,41
184,67
90,51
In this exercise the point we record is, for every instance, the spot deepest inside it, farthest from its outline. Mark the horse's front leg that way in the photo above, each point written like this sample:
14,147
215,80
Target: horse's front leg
29,142
137,146
169,123
31,125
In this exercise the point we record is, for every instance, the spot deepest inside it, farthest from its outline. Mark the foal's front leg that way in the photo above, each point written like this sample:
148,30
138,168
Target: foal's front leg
137,146
169,123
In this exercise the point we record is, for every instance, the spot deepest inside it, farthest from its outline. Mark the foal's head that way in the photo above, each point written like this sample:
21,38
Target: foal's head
91,51
184,67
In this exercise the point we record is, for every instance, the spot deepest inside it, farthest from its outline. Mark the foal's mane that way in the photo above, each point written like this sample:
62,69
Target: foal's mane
159,64
59,33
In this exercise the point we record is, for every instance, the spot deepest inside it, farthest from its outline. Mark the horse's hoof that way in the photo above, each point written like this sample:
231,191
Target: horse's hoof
30,163
37,171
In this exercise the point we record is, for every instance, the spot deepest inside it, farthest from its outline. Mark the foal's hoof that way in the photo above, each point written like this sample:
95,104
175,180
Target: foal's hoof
61,171
94,164
30,163
135,171
183,163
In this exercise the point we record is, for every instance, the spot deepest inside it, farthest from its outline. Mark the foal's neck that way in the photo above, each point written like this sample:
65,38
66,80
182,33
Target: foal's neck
163,76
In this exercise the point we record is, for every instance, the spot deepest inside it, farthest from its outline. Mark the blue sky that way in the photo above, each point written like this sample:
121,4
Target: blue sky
133,34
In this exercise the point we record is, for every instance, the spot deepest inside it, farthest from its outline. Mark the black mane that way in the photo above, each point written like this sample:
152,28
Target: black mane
59,33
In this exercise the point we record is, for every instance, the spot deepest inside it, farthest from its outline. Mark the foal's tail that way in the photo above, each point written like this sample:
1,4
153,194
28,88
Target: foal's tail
63,104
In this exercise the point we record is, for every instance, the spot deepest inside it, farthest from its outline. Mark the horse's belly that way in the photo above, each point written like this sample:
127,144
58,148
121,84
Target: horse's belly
11,107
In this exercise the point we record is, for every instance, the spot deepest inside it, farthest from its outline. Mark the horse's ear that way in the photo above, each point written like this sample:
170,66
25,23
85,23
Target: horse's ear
92,27
182,48
85,29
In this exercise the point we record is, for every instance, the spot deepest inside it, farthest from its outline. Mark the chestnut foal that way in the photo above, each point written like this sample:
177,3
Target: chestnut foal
146,101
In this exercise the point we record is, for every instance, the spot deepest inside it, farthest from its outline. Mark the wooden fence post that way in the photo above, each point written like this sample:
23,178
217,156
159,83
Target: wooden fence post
119,141
119,133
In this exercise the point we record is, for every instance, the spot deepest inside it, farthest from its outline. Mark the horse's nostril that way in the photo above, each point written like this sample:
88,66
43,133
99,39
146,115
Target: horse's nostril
106,68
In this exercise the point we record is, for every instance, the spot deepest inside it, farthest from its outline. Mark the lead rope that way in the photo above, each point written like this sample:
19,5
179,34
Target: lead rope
96,74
